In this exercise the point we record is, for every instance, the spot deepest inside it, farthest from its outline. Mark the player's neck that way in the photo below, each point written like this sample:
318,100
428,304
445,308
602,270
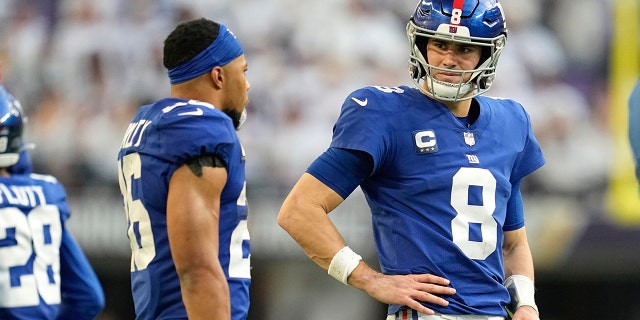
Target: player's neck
194,91
458,108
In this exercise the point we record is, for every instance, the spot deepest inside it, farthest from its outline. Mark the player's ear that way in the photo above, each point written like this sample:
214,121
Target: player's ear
216,77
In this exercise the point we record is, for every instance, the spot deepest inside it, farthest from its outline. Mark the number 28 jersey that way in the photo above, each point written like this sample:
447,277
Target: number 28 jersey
439,190
160,139
33,211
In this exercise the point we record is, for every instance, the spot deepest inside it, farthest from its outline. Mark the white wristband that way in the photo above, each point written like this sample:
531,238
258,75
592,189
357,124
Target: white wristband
521,290
343,264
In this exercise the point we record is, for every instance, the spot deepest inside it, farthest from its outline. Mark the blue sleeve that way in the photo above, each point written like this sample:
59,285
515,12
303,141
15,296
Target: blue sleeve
342,169
530,158
211,132
82,295
366,128
515,210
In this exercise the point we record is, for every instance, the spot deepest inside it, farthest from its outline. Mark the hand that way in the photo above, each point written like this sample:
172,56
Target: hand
405,290
525,313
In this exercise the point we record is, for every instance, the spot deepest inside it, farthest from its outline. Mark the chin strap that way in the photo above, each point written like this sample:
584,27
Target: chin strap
448,91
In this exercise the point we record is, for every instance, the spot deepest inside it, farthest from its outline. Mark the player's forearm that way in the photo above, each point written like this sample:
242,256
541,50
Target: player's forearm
519,262
311,228
205,295
517,254
313,231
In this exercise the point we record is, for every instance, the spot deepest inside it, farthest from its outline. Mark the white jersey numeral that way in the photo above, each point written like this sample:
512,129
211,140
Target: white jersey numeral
141,238
22,236
389,89
139,230
481,215
239,266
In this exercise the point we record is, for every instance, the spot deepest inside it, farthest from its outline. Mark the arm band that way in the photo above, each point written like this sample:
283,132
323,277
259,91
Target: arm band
343,264
522,291
196,164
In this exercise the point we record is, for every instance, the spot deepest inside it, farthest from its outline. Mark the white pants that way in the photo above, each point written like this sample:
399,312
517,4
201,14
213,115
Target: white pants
414,315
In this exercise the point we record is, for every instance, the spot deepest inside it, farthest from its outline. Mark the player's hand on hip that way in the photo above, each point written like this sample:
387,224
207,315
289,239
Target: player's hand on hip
405,290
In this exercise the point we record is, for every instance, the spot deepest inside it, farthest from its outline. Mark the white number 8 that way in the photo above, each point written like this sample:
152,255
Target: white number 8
468,214
456,16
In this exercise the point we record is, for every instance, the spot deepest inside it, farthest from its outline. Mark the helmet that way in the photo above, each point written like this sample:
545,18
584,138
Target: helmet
11,124
470,22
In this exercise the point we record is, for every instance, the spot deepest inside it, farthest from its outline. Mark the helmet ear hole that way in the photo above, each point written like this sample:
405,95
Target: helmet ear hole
421,43
483,83
414,71
417,71
484,56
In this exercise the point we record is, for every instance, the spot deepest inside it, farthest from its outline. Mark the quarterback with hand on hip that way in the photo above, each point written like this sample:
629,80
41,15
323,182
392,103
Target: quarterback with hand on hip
440,166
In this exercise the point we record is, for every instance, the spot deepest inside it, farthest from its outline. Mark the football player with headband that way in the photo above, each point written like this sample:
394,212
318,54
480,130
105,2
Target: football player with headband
43,272
441,166
181,171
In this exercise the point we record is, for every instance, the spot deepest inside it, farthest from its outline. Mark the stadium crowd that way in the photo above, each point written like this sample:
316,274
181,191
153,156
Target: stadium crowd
82,67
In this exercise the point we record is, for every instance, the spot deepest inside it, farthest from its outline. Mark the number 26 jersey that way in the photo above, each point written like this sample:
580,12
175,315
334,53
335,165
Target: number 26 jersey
160,139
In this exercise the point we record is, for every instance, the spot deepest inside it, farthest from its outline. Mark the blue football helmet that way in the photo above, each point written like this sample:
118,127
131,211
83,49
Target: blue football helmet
470,22
11,126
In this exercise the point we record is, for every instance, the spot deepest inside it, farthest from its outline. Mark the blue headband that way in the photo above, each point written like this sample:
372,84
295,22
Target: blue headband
221,51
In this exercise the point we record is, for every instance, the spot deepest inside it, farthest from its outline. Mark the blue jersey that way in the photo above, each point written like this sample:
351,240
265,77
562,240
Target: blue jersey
43,272
439,189
160,139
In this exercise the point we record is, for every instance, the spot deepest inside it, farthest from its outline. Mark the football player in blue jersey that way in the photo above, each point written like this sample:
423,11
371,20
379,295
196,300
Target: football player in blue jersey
634,126
43,272
440,166
182,177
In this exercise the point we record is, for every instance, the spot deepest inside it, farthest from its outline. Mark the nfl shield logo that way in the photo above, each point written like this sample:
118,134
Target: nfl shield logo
469,139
